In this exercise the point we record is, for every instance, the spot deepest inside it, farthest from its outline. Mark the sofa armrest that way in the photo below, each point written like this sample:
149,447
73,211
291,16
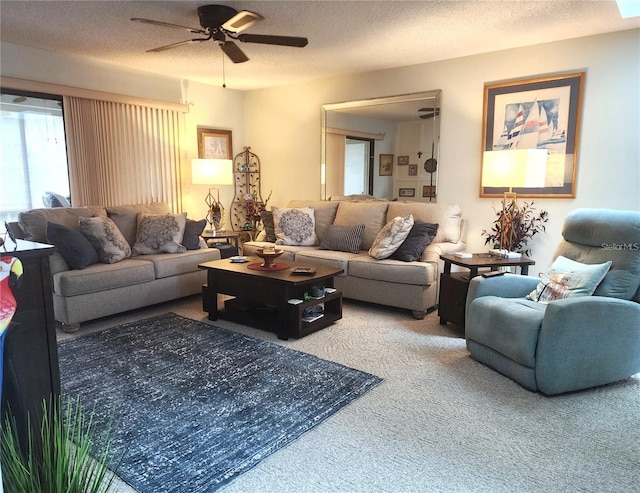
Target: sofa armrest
57,263
587,341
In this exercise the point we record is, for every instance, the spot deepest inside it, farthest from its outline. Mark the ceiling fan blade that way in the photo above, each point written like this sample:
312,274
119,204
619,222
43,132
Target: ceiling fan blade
233,52
193,30
274,40
174,45
241,21
429,109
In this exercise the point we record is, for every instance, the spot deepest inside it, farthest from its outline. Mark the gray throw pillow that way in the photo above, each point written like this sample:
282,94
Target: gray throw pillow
160,233
192,231
343,238
420,237
106,238
74,247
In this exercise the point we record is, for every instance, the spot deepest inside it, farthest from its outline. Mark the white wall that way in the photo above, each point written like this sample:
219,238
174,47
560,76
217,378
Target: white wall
283,125
209,106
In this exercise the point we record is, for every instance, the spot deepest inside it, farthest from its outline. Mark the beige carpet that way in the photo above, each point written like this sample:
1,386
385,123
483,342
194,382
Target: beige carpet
441,421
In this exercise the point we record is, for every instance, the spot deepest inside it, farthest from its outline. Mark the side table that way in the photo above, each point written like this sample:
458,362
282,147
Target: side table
454,286
225,241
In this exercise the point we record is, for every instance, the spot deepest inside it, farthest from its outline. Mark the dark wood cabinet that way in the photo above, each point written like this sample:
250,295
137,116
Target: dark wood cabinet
453,296
31,371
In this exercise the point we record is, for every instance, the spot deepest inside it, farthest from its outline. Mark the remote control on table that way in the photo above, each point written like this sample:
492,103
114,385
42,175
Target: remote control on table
493,273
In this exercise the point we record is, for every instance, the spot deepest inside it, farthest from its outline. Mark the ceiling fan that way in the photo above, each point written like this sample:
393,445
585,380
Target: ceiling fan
220,22
428,112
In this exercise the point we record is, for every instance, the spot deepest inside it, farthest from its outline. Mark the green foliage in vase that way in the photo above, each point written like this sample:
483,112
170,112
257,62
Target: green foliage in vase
514,226
61,455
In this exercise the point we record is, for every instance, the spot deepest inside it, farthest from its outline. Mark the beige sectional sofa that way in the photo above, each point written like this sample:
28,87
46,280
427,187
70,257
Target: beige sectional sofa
409,285
103,289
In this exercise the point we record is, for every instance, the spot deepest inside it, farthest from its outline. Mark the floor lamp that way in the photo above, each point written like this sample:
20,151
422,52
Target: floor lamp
213,172
518,168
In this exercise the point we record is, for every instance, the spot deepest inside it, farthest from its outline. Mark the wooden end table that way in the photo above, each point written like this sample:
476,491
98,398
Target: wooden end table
454,286
225,241
270,288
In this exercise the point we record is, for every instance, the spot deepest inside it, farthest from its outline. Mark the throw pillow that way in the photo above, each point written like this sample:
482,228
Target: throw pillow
420,237
269,228
74,247
294,226
343,238
389,239
568,279
106,238
160,233
192,231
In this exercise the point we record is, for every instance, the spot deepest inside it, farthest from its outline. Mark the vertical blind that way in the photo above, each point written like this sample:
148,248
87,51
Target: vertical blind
122,153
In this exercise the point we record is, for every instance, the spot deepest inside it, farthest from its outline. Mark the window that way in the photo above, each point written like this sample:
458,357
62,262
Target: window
33,157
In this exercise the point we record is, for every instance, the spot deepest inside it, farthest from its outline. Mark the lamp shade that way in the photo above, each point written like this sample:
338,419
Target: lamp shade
514,168
211,172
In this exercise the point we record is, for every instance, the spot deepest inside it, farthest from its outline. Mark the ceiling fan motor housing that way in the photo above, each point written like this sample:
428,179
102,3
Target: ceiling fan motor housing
213,16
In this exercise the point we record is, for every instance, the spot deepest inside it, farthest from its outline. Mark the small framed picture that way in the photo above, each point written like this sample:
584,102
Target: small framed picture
214,144
413,170
386,164
403,160
429,191
407,192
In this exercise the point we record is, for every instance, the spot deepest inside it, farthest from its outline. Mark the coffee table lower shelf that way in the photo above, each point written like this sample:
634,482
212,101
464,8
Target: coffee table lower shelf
265,317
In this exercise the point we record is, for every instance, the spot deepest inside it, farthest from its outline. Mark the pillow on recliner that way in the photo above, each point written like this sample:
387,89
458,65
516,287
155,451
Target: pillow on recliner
568,279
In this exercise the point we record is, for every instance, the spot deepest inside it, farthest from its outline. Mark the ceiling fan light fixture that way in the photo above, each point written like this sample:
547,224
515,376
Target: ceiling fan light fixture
241,21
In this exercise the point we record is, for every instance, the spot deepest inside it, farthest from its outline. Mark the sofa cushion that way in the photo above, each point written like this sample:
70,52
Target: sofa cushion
34,222
126,217
447,216
371,214
192,231
160,233
105,237
74,247
294,226
324,213
101,277
326,258
343,238
173,264
420,237
389,239
568,279
419,273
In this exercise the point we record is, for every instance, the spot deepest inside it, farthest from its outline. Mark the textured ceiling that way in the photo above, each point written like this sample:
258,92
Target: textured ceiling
344,36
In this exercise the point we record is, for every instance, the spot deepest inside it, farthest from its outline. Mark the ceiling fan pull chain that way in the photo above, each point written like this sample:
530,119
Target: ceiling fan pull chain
224,77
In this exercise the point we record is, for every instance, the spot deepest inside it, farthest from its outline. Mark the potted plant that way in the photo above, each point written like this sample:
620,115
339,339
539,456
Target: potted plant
514,226
63,454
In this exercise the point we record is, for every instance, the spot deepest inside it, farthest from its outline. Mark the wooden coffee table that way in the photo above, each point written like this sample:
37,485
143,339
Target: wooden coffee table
264,298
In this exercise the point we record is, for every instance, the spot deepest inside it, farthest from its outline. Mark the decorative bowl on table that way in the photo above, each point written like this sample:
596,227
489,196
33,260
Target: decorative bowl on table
268,256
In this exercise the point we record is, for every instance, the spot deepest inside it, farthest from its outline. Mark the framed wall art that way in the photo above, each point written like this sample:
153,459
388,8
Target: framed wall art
537,113
214,144
413,170
407,192
403,160
386,165
428,191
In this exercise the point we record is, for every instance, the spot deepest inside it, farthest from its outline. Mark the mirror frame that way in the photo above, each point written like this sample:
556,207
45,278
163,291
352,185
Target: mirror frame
386,100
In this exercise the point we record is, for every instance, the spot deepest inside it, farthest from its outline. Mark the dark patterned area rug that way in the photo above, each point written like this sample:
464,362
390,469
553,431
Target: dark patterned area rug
194,405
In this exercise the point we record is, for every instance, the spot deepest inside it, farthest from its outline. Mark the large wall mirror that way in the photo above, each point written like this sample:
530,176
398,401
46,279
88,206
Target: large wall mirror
384,147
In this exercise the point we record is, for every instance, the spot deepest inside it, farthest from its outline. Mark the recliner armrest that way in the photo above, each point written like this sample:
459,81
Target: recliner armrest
506,286
587,341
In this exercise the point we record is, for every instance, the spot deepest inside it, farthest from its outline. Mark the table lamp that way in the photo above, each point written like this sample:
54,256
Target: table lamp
213,172
518,168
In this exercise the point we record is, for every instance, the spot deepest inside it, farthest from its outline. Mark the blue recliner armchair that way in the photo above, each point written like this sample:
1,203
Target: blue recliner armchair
572,343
